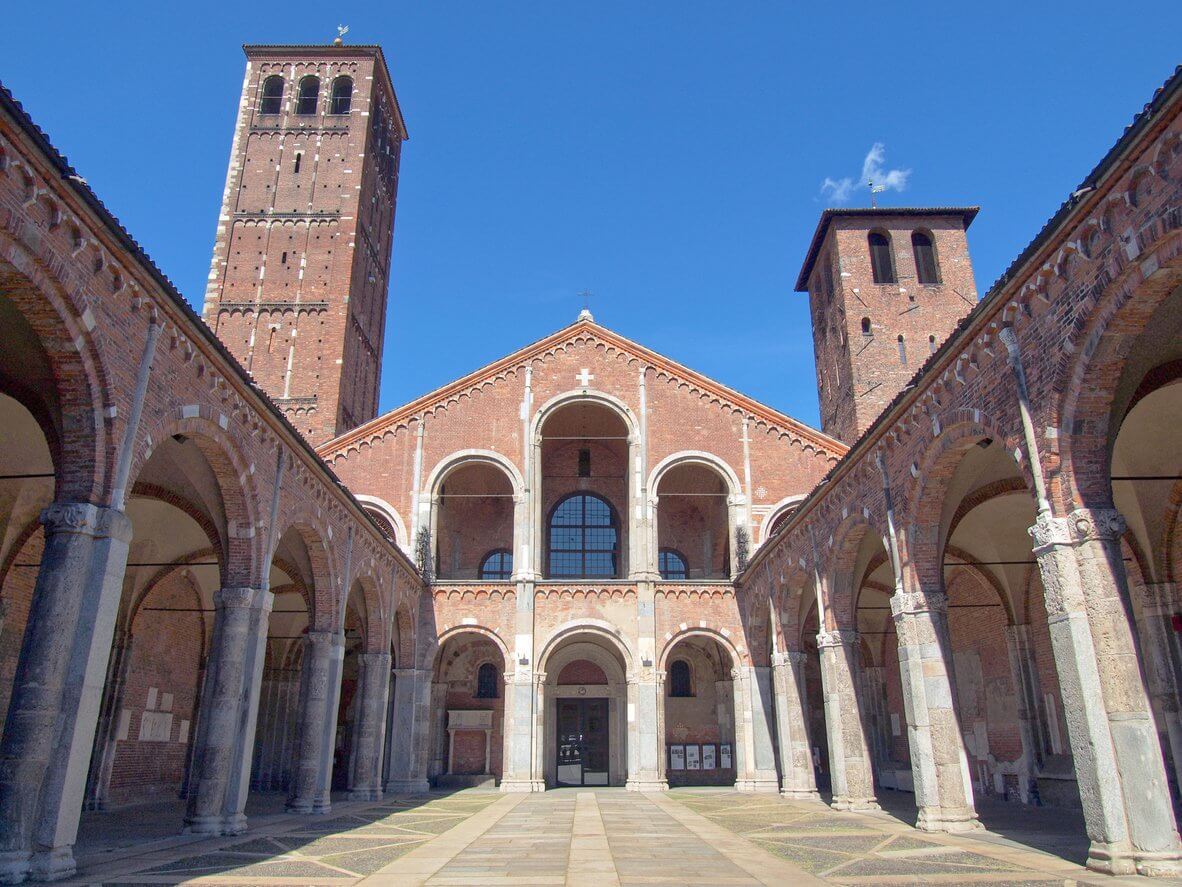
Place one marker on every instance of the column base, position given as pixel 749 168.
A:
pixel 523 785
pixel 855 805
pixel 14 866
pixel 52 865
pixel 1159 865
pixel 407 786
pixel 647 785
pixel 800 794
pixel 948 819
pixel 212 824
pixel 757 785
pixel 300 806
pixel 321 807
pixel 365 794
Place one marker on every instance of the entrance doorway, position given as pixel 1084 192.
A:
pixel 582 751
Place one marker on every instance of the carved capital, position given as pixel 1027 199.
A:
pixel 243 598
pixel 790 659
pixel 1048 532
pixel 910 603
pixel 1010 339
pixel 380 661
pixel 84 519
pixel 841 637
pixel 321 642
pixel 1097 524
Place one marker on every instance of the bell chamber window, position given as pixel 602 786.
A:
pixel 584 539
pixel 497 565
pixel 680 683
pixel 671 564
pixel 924 250
pixel 309 92
pixel 342 96
pixel 882 263
pixel 272 99
pixel 486 681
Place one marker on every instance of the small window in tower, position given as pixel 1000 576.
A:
pixel 924 250
pixel 299 157
pixel 283 258
pixel 932 344
pixel 342 95
pixel 309 93
pixel 272 95
pixel 584 463
pixel 866 326
pixel 882 263
pixel 902 350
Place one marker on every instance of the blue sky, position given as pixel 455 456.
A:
pixel 668 157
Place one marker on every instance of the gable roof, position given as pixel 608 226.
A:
pixel 580 327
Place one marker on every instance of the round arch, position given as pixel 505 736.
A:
pixel 723 641
pixel 455 631
pixel 321 584
pixel 695 457
pixel 584 395
pixel 461 458
pixel 389 513
pixel 599 628
pixel 788 503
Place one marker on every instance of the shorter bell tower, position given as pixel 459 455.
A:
pixel 886 287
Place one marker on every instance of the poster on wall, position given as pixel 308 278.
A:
pixel 677 757
pixel 709 756
pixel 693 758
pixel 725 756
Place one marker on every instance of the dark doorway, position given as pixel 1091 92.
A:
pixel 582 742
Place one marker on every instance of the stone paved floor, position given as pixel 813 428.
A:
pixel 586 837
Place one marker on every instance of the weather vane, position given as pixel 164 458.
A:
pixel 585 295
pixel 874 189
pixel 342 30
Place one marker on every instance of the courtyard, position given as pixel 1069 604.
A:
pixel 606 836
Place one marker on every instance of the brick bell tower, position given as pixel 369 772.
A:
pixel 886 287
pixel 301 263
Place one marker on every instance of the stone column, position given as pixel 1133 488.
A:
pixel 797 779
pixel 939 767
pixel 106 735
pixel 1118 760
pixel 369 733
pixel 754 710
pixel 229 709
pixel 53 710
pixel 315 694
pixel 646 738
pixel 1027 692
pixel 849 755
pixel 1162 646
pixel 523 771
pixel 407 771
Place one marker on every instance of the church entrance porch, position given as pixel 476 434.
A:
pixel 582 741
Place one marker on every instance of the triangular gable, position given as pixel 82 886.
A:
pixel 583 330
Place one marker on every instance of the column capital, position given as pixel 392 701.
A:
pixel 912 603
pixel 408 673
pixel 1080 526
pixel 374 660
pixel 325 639
pixel 791 658
pixel 839 637
pixel 84 519
pixel 243 598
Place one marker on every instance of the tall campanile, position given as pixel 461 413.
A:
pixel 297 287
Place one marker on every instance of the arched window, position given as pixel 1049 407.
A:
pixel 865 326
pixel 902 350
pixel 680 683
pixel 882 263
pixel 671 564
pixel 309 93
pixel 342 96
pixel 272 101
pixel 924 250
pixel 584 538
pixel 932 344
pixel 486 681
pixel 497 565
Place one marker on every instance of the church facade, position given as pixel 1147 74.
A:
pixel 223 574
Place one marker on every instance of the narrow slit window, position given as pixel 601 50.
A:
pixel 298 158
pixel 902 350
pixel 584 463
pixel 932 344
pixel 865 326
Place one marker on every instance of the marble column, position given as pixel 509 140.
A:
pixel 369 731
pixel 106 735
pixel 315 697
pixel 57 688
pixel 849 754
pixel 646 737
pixel 224 742
pixel 523 712
pixel 754 711
pixel 409 726
pixel 939 767
pixel 797 778
pixel 1118 760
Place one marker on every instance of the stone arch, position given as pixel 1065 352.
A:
pixel 404 623
pixel 320 581
pixel 695 457
pixel 721 637
pixel 840 592
pixel 447 634
pixel 781 508
pixel 483 517
pixel 597 627
pixel 460 458
pixel 584 395
pixel 389 513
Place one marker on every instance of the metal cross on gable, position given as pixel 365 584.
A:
pixel 585 377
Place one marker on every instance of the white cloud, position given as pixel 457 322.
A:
pixel 841 190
